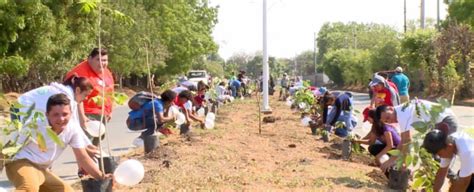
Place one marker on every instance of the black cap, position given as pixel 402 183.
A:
pixel 434 141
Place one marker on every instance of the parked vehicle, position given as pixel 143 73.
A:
pixel 199 75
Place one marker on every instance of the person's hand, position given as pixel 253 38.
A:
pixel 328 127
pixel 108 176
pixel 92 150
pixel 388 164
pixel 83 122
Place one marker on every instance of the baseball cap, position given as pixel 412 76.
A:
pixel 368 112
pixel 376 80
pixel 399 69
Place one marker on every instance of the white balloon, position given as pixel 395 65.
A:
pixel 129 172
pixel 231 98
pixel 201 112
pixel 95 128
pixel 289 102
pixel 180 118
pixel 305 121
pixel 211 116
pixel 209 124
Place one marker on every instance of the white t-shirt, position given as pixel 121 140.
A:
pixel 407 116
pixel 40 96
pixel 465 150
pixel 188 105
pixel 220 90
pixel 71 136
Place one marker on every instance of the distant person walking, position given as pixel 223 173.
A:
pixel 403 84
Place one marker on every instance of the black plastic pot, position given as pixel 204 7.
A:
pixel 92 185
pixel 183 129
pixel 214 108
pixel 314 127
pixel 110 163
pixel 346 149
pixel 398 179
pixel 326 138
pixel 151 142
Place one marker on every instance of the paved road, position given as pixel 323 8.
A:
pixel 121 139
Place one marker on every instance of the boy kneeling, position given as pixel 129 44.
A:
pixel 29 170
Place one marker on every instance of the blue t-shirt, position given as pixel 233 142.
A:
pixel 402 82
pixel 147 109
pixel 235 83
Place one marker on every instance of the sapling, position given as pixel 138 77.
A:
pixel 424 174
pixel 27 126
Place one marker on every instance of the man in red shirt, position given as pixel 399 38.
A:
pixel 95 69
pixel 384 94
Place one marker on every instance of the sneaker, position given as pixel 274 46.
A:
pixel 138 142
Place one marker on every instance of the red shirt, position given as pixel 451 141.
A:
pixel 199 100
pixel 391 84
pixel 83 69
pixel 383 97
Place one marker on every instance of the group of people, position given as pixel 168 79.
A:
pixel 150 113
pixel 392 115
pixel 67 106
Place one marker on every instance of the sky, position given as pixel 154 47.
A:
pixel 291 24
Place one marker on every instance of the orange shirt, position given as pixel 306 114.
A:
pixel 90 107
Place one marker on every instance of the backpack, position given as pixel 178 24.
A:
pixel 142 97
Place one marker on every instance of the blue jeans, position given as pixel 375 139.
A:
pixel 234 91
pixel 348 119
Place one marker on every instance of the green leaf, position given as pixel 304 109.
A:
pixel 120 98
pixel 408 160
pixel 17 105
pixel 420 126
pixel 444 102
pixel 394 152
pixel 54 137
pixel 41 142
pixel 29 112
pixel 11 150
pixel 418 182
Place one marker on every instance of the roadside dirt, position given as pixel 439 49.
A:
pixel 235 157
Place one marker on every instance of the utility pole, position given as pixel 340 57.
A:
pixel 354 35
pixel 438 25
pixel 296 65
pixel 422 14
pixel 265 104
pixel 404 16
pixel 314 53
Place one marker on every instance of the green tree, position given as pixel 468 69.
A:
pixel 418 52
pixel 461 11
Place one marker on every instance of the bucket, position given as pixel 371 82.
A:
pixel 346 149
pixel 398 179
pixel 92 185
pixel 151 142
pixel 110 163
